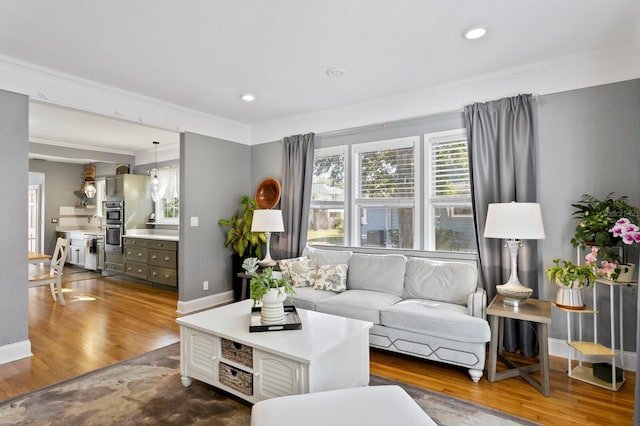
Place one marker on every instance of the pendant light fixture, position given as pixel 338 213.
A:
pixel 90 181
pixel 155 182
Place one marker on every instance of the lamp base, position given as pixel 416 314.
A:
pixel 514 294
pixel 267 263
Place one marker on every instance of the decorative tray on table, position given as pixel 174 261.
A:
pixel 291 320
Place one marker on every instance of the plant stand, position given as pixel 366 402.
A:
pixel 612 353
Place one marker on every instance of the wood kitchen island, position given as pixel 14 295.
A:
pixel 151 257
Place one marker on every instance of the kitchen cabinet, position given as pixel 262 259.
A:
pixel 114 186
pixel 151 260
pixel 114 262
pixel 75 256
pixel 135 258
pixel 83 252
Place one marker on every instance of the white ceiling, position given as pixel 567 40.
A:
pixel 203 54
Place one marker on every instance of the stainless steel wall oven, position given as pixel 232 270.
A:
pixel 114 228
pixel 114 212
pixel 113 238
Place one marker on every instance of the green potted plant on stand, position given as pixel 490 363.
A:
pixel 596 218
pixel 241 239
pixel 570 280
pixel 601 223
pixel 271 292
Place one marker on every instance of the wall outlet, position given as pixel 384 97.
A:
pixel 54 220
pixel 205 285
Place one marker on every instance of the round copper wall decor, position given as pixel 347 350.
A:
pixel 268 193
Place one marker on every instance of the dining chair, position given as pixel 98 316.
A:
pixel 40 274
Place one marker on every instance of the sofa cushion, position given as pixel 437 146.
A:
pixel 307 297
pixel 301 271
pixel 358 304
pixel 445 320
pixel 378 272
pixel 327 257
pixel 450 282
pixel 331 277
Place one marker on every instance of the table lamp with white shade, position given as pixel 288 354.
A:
pixel 267 221
pixel 514 222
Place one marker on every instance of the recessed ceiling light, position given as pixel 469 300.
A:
pixel 248 97
pixel 336 72
pixel 474 33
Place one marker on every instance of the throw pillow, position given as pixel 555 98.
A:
pixel 301 271
pixel 332 278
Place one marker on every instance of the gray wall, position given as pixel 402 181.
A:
pixel 14 134
pixel 266 161
pixel 589 142
pixel 60 182
pixel 214 174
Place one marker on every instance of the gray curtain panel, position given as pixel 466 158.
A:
pixel 297 175
pixel 503 169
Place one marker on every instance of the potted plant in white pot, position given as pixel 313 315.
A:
pixel 271 292
pixel 570 280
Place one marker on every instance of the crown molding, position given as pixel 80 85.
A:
pixel 66 90
pixel 64 144
pixel 579 71
pixel 569 73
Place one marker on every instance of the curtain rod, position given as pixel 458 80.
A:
pixel 383 124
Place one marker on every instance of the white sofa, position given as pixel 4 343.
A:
pixel 420 307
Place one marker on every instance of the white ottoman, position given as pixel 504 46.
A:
pixel 369 405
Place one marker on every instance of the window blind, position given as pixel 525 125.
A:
pixel 449 169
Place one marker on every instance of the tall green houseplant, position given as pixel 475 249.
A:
pixel 596 217
pixel 239 235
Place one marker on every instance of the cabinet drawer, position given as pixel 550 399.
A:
pixel 236 379
pixel 136 242
pixel 113 267
pixel 164 258
pixel 135 253
pixel 135 269
pixel 162 244
pixel 237 352
pixel 166 276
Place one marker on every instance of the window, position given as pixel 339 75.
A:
pixel 326 216
pixel 167 208
pixel 382 194
pixel 449 216
pixel 385 193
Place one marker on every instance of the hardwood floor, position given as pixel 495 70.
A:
pixel 105 320
pixel 109 319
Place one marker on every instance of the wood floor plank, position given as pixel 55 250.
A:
pixel 109 319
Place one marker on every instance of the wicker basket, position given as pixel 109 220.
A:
pixel 236 352
pixel 235 378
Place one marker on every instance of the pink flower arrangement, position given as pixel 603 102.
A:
pixel 627 231
pixel 606 269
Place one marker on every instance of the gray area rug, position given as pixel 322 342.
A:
pixel 146 390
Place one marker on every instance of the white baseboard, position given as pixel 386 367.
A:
pixel 185 308
pixel 559 348
pixel 15 351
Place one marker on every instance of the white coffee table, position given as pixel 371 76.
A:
pixel 329 352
